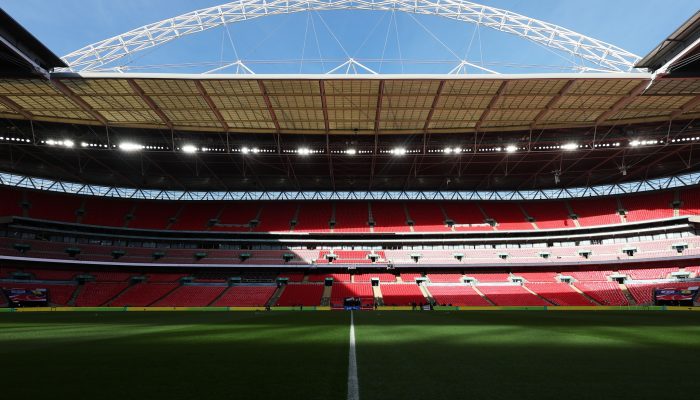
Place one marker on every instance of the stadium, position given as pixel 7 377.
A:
pixel 346 226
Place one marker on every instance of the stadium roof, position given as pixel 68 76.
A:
pixel 350 104
pixel 21 54
pixel 677 51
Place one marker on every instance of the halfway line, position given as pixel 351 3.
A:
pixel 353 385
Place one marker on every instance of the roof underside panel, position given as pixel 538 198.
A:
pixel 343 105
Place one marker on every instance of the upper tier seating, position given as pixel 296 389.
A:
pixel 314 217
pixel 351 217
pixel 143 294
pixel 276 217
pixel 11 204
pixel 196 216
pixel 402 294
pixel 301 294
pixel 605 293
pixel 690 200
pixel 154 214
pixel 53 206
pixel 560 294
pixel 549 214
pixel 389 217
pixel 191 296
pixel 511 296
pixel 648 206
pixel 427 217
pixel 466 216
pixel 594 212
pixel 107 212
pixel 508 216
pixel 460 295
pixel 245 296
pixel 236 217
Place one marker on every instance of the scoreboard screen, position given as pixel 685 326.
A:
pixel 676 296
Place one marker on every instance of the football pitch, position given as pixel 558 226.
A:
pixel 305 355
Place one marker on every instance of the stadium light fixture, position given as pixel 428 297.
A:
pixel 303 151
pixel 398 151
pixel 351 152
pixel 189 149
pixel 511 148
pixel 635 143
pixel 569 146
pixel 63 143
pixel 130 147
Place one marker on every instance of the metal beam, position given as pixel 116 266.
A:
pixel 432 107
pixel 61 87
pixel 203 92
pixel 152 104
pixel 377 118
pixel 107 52
pixel 268 103
pixel 686 107
pixel 623 102
pixel 324 105
pixel 492 103
pixel 15 107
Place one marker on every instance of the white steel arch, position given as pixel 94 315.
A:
pixel 605 55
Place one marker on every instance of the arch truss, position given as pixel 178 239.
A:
pixel 605 56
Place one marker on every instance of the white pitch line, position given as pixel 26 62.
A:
pixel 353 384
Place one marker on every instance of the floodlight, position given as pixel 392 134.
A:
pixel 189 149
pixel 129 146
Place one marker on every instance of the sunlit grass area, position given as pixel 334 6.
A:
pixel 300 355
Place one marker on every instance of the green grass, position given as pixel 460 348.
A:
pixel 401 355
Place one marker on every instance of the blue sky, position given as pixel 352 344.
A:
pixel 635 25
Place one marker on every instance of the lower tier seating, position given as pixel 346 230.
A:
pixel 605 293
pixel 143 294
pixel 95 294
pixel 301 295
pixel 245 296
pixel 511 296
pixel 560 294
pixel 191 296
pixel 461 295
pixel 402 294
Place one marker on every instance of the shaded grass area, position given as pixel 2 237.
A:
pixel 174 355
pixel 401 355
pixel 527 355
